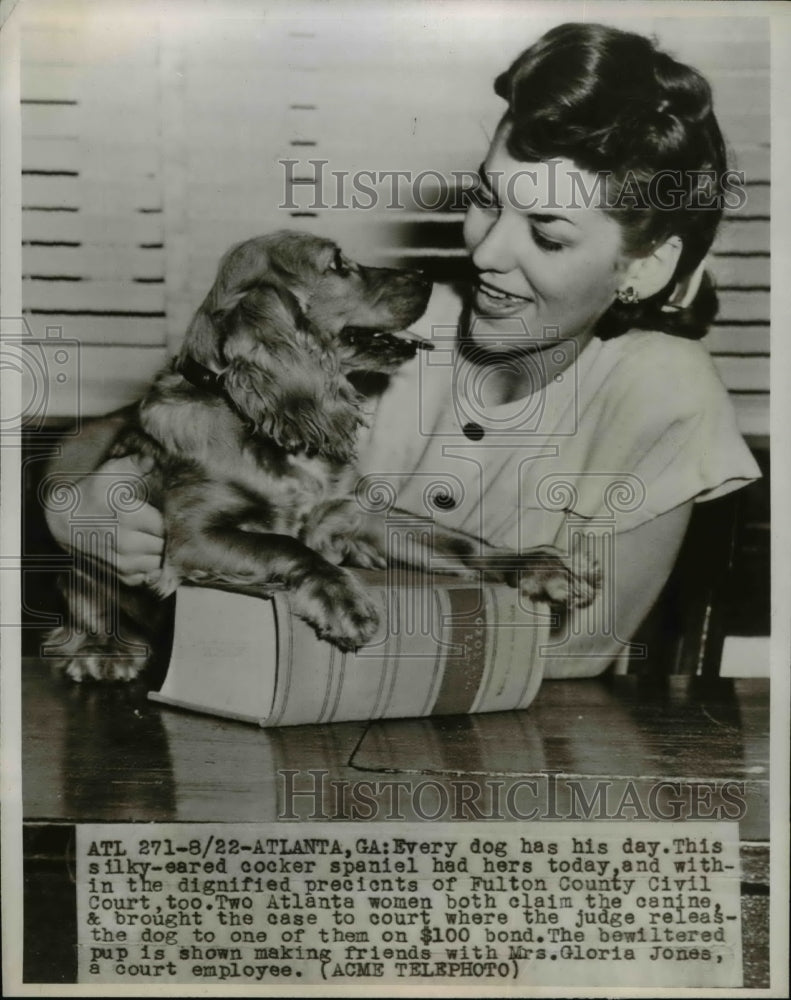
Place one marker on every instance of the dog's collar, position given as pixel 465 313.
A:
pixel 200 376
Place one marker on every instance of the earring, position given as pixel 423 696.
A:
pixel 627 295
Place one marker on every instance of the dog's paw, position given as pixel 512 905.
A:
pixel 166 581
pixel 339 610
pixel 364 554
pixel 100 667
pixel 84 659
pixel 330 530
pixel 548 575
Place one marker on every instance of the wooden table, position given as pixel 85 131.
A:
pixel 98 753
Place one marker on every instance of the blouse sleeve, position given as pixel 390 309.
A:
pixel 667 425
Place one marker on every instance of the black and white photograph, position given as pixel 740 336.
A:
pixel 394 532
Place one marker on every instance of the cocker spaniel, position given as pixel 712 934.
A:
pixel 249 436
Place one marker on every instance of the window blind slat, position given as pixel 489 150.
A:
pixel 114 229
pixel 743 305
pixel 119 194
pixel 752 413
pixel 741 271
pixel 744 373
pixel 756 202
pixel 738 340
pixel 101 262
pixel 737 235
pixel 50 154
pixel 90 295
pixel 106 331
pixel 50 121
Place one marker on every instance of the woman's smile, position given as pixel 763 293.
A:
pixel 493 300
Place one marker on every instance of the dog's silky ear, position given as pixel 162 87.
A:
pixel 284 379
pixel 202 339
pixel 240 268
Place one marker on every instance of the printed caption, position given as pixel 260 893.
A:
pixel 536 904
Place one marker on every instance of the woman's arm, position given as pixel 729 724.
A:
pixel 644 558
pixel 81 453
pixel 139 538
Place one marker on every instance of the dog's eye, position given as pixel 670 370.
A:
pixel 339 264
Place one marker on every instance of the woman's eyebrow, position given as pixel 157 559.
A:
pixel 549 217
pixel 546 218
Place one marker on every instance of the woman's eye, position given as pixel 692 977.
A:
pixel 551 246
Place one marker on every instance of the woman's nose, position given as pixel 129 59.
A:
pixel 495 249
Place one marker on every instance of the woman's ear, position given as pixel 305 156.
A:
pixel 646 276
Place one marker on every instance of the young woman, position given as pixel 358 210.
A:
pixel 567 392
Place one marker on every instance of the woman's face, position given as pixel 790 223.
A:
pixel 547 265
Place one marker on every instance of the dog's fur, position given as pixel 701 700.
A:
pixel 251 462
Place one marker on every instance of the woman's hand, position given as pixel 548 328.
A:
pixel 139 536
pixel 643 560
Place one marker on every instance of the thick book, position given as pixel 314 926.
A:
pixel 441 649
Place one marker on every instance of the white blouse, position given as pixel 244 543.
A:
pixel 633 428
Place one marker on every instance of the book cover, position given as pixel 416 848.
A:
pixel 441 649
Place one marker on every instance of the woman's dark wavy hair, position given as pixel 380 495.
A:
pixel 612 102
